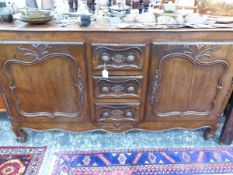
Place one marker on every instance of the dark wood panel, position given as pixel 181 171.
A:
pixel 187 81
pixel 45 81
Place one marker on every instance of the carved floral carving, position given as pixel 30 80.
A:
pixel 197 54
pixel 39 53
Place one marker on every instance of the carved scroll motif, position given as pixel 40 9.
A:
pixel 117 127
pixel 155 87
pixel 39 53
pixel 197 54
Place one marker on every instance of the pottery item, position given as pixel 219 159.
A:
pixel 31 3
pixel 47 4
pixel 36 21
pixel 35 13
pixel 35 16
pixel 119 11
pixel 6 14
pixel 195 19
pixel 169 7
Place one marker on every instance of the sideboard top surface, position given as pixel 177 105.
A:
pixel 104 27
pixel 97 32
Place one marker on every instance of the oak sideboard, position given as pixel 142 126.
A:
pixel 52 78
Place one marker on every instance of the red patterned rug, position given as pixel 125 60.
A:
pixel 146 162
pixel 21 160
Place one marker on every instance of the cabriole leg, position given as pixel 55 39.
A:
pixel 210 132
pixel 20 134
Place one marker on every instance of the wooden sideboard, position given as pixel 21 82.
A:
pixel 51 78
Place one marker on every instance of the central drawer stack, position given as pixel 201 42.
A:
pixel 119 99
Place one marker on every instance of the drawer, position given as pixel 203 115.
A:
pixel 117 117
pixel 118 56
pixel 118 86
pixel 117 112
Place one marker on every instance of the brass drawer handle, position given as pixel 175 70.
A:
pixel 105 89
pixel 129 114
pixel 106 114
pixel 131 89
pixel 105 58
pixel 131 58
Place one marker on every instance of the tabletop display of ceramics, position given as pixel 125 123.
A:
pixel 35 16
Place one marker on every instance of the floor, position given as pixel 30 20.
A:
pixel 68 141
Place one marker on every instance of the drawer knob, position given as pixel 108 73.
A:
pixel 105 89
pixel 131 89
pixel 131 58
pixel 105 58
pixel 129 114
pixel 106 114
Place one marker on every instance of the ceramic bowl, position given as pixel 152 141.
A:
pixel 35 13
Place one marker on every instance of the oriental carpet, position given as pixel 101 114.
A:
pixel 146 162
pixel 21 160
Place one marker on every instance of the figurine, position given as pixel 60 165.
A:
pixel 73 5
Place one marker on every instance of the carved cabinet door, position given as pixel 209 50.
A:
pixel 44 81
pixel 189 81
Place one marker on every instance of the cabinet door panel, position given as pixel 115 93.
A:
pixel 188 80
pixel 45 80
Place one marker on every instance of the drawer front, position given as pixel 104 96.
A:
pixel 118 116
pixel 118 87
pixel 118 56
